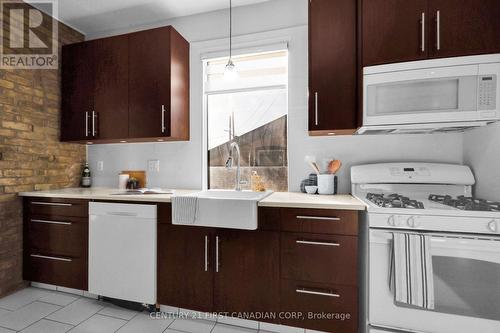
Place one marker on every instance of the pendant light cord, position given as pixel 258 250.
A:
pixel 230 29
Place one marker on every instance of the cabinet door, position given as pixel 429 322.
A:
pixel 464 27
pixel 110 120
pixel 247 271
pixel 149 104
pixel 393 31
pixel 185 272
pixel 332 65
pixel 77 91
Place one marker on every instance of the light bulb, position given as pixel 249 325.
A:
pixel 230 72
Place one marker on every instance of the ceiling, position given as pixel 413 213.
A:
pixel 92 16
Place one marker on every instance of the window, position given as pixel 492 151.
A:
pixel 256 100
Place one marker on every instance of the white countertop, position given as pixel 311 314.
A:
pixel 303 200
pixel 277 199
pixel 101 193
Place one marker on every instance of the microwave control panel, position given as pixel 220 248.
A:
pixel 487 92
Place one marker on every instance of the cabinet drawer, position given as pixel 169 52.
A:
pixel 320 258
pixel 70 272
pixel 57 207
pixel 321 221
pixel 338 306
pixel 66 236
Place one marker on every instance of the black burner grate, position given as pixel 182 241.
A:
pixel 466 203
pixel 394 201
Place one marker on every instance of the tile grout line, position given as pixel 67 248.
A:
pixel 62 306
pixel 125 323
pixel 115 317
pixel 37 300
pixel 59 322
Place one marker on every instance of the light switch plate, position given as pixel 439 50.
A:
pixel 100 165
pixel 154 165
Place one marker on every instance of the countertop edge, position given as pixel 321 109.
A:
pixel 312 206
pixel 95 197
pixel 166 198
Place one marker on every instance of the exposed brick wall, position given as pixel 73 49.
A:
pixel 31 156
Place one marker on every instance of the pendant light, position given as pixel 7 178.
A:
pixel 230 72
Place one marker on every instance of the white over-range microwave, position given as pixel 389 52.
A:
pixel 431 95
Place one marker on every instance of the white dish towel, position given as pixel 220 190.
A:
pixel 411 275
pixel 184 209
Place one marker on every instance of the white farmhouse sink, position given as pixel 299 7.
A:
pixel 228 209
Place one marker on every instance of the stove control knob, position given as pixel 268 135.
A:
pixel 391 221
pixel 493 226
pixel 412 222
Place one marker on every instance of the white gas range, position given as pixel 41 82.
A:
pixel 432 204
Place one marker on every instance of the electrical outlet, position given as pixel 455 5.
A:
pixel 100 165
pixel 154 166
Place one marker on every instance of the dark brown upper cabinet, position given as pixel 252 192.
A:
pixel 407 30
pixel 159 90
pixel 132 87
pixel 332 67
pixel 465 27
pixel 393 31
pixel 110 112
pixel 77 91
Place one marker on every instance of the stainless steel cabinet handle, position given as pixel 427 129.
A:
pixel 316 108
pixel 438 30
pixel 86 123
pixel 325 218
pixel 51 222
pixel 206 253
pixel 422 23
pixel 217 254
pixel 93 123
pixel 317 243
pixel 51 258
pixel 163 128
pixel 312 292
pixel 41 203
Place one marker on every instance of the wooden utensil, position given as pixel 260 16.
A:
pixel 334 166
pixel 315 167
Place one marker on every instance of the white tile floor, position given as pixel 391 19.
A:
pixel 35 310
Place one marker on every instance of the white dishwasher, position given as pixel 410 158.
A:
pixel 122 251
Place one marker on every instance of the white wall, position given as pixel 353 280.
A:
pixel 182 162
pixel 270 15
pixel 482 153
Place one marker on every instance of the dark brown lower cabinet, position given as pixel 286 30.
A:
pixel 319 269
pixel 56 242
pixel 70 272
pixel 223 270
pixel 300 268
pixel 185 267
pixel 320 258
pixel 247 277
pixel 320 306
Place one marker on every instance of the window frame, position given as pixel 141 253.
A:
pixel 242 51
